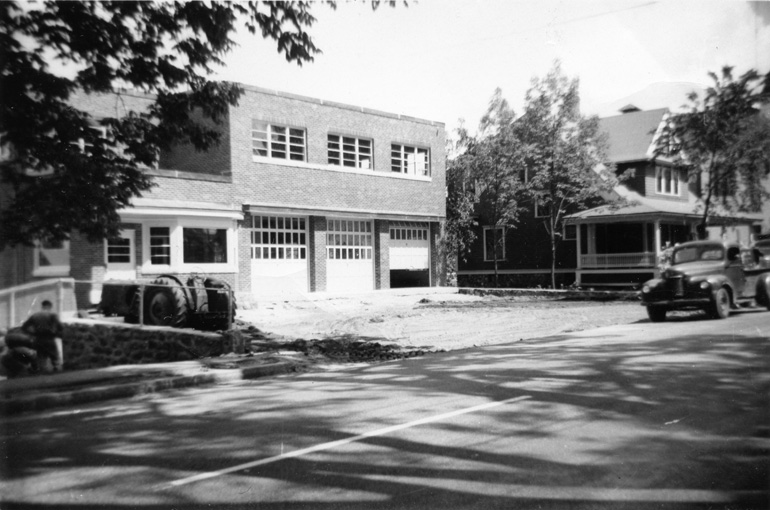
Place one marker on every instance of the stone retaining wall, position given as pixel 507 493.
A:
pixel 572 295
pixel 89 344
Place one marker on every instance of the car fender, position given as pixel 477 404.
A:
pixel 762 290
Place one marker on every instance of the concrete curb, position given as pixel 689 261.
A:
pixel 572 295
pixel 46 398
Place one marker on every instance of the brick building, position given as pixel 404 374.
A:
pixel 302 195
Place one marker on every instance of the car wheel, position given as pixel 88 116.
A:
pixel 720 304
pixel 656 313
pixel 165 304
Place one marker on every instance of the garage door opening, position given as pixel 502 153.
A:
pixel 409 255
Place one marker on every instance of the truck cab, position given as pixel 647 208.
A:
pixel 709 275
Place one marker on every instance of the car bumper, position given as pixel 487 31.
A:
pixel 698 302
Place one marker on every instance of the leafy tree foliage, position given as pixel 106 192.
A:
pixel 723 142
pixel 565 155
pixel 51 51
pixel 488 168
pixel 458 230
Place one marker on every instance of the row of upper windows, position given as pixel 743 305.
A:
pixel 283 142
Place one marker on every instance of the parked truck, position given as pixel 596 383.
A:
pixel 709 275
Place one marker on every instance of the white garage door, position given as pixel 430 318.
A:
pixel 349 257
pixel 409 246
pixel 279 255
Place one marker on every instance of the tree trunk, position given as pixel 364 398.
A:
pixel 553 261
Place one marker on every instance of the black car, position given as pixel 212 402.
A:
pixel 711 276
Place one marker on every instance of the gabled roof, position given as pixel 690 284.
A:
pixel 631 134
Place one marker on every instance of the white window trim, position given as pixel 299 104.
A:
pixel 484 240
pixel 176 227
pixel 536 210
pixel 403 161
pixel 566 229
pixel 288 143
pixel 674 180
pixel 63 270
pixel 341 169
pixel 132 254
pixel 357 153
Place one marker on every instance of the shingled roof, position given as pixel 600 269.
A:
pixel 631 134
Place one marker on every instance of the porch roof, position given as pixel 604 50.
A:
pixel 642 208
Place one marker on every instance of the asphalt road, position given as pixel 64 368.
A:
pixel 641 416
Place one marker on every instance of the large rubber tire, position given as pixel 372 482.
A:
pixel 165 303
pixel 656 313
pixel 720 304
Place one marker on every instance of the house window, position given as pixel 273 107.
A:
pixel 160 246
pixel 349 151
pixel 84 146
pixel 280 142
pixel 570 232
pixel 494 243
pixel 541 210
pixel 666 181
pixel 52 258
pixel 349 239
pixel 119 251
pixel 278 237
pixel 410 160
pixel 204 245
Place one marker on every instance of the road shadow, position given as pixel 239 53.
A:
pixel 607 423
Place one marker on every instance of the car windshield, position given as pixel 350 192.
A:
pixel 695 253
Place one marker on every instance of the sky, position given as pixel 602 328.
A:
pixel 442 60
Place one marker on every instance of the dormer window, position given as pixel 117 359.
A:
pixel 667 181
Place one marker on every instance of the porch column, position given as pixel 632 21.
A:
pixel 579 246
pixel 658 242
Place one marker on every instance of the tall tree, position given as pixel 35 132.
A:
pixel 458 231
pixel 493 161
pixel 723 142
pixel 167 49
pixel 566 155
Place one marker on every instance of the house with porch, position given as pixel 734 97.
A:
pixel 609 245
pixel 302 195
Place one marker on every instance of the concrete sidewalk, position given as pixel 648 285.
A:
pixel 43 392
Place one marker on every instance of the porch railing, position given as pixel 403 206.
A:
pixel 618 260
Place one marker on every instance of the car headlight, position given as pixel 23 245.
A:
pixel 646 289
pixel 704 285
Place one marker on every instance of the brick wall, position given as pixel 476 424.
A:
pixel 317 253
pixel 381 254
pixel 302 185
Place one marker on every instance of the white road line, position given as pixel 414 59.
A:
pixel 340 442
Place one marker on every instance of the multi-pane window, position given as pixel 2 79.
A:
pixel 541 210
pixel 408 234
pixel 280 142
pixel 666 180
pixel 204 245
pixel 278 237
pixel 119 251
pixel 160 246
pixel 349 239
pixel 494 243
pixel 410 160
pixel 349 151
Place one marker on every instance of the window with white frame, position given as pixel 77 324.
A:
pixel 349 151
pixel 278 238
pixel 666 181
pixel 275 141
pixel 205 245
pixel 408 234
pixel 52 258
pixel 570 232
pixel 83 145
pixel 160 246
pixel 494 243
pixel 541 210
pixel 410 160
pixel 119 250
pixel 349 239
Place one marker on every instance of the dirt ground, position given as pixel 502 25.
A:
pixel 435 319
